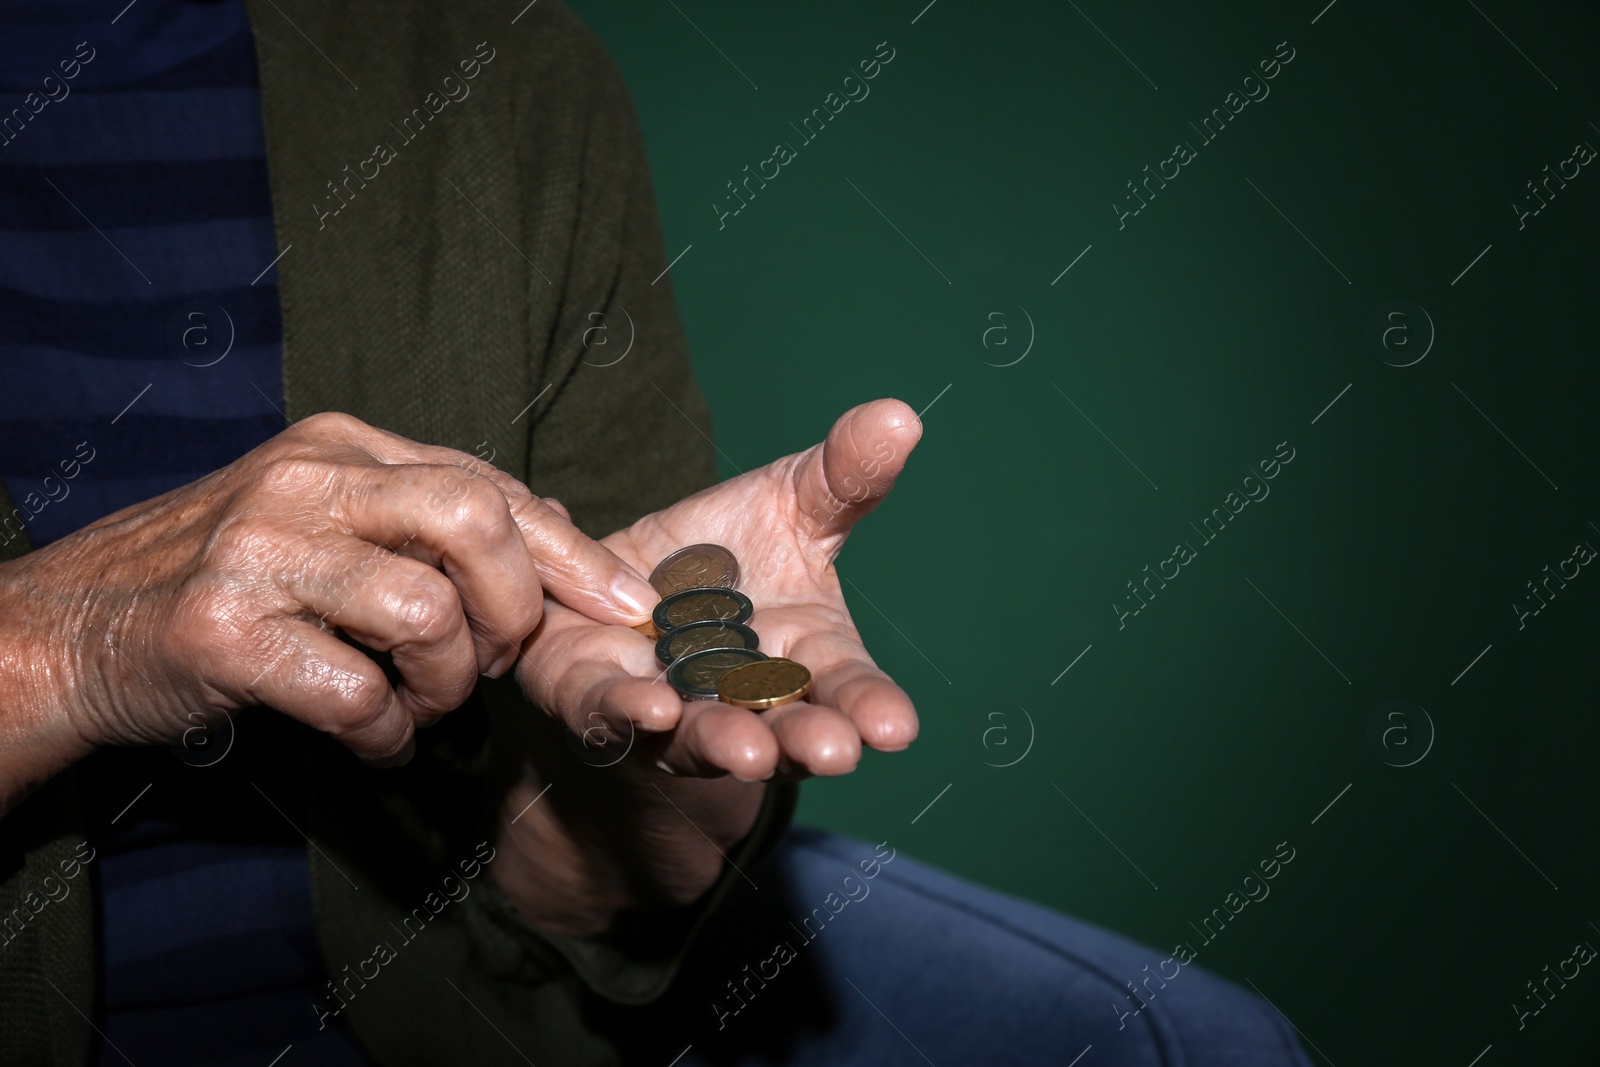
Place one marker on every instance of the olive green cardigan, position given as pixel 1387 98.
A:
pixel 448 299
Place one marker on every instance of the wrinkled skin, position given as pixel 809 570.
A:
pixel 652 828
pixel 224 594
pixel 231 592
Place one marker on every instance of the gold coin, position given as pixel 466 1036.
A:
pixel 696 567
pixel 648 628
pixel 767 683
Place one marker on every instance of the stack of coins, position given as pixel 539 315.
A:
pixel 702 640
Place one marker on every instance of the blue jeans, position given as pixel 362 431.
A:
pixel 880 963
pixel 917 967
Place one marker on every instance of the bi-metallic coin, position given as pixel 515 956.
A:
pixel 700 636
pixel 695 676
pixel 702 605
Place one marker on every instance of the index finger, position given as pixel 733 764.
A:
pixel 573 567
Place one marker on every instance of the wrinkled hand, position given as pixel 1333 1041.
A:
pixel 652 828
pixel 232 592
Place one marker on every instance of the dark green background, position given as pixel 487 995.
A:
pixel 1197 338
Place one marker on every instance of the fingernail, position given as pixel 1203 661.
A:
pixel 633 593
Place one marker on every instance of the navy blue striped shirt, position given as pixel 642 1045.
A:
pixel 134 217
pixel 140 348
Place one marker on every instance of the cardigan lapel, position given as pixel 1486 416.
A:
pixel 404 293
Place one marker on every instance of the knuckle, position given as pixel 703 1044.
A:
pixel 359 702
pixel 474 508
pixel 427 608
pixel 332 424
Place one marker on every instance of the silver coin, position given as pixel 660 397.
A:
pixel 696 675
pixel 696 567
pixel 700 636
pixel 702 605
